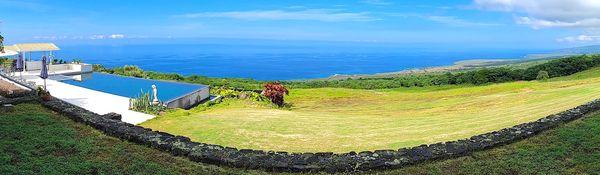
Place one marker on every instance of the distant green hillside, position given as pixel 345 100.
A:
pixel 593 49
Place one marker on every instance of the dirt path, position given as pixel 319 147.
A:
pixel 9 88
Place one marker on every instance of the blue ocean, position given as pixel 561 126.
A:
pixel 276 61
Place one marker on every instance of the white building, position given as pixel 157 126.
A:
pixel 33 65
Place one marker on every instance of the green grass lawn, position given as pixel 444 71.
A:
pixel 570 149
pixel 34 140
pixel 341 120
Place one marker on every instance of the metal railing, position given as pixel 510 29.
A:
pixel 12 75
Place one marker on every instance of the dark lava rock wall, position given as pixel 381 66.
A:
pixel 312 162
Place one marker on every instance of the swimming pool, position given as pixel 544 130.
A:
pixel 132 87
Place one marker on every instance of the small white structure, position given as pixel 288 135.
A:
pixel 27 48
pixel 34 67
pixel 60 69
pixel 154 92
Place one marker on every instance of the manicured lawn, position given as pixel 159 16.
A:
pixel 34 140
pixel 341 120
pixel 570 149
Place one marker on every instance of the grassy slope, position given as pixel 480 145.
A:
pixel 33 140
pixel 571 149
pixel 36 141
pixel 340 120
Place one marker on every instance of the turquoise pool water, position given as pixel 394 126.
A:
pixel 132 87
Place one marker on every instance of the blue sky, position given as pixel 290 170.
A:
pixel 481 23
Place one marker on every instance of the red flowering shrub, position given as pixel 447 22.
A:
pixel 275 92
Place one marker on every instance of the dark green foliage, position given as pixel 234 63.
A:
pixel 555 68
pixel 563 66
pixel 101 68
pixel 58 61
pixel 164 76
pixel 132 71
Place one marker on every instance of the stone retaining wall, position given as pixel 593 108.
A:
pixel 312 162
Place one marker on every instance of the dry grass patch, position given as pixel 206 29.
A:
pixel 341 120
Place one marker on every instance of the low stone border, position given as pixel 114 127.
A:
pixel 312 162
pixel 21 98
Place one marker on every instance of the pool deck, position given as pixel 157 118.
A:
pixel 95 101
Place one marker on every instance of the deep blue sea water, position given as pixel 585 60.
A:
pixel 274 61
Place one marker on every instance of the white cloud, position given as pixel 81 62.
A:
pixel 580 38
pixel 111 36
pixel 446 20
pixel 542 23
pixel 549 13
pixel 94 37
pixel 327 15
pixel 377 2
pixel 453 21
pixel 116 36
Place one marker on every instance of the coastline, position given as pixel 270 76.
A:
pixel 462 65
pixel 457 66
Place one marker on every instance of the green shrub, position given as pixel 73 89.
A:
pixel 58 61
pixel 227 92
pixel 143 103
pixel 542 75
pixel 101 68
pixel 77 61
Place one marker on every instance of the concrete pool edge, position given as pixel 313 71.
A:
pixel 93 100
pixel 198 93
pixel 190 99
pixel 321 161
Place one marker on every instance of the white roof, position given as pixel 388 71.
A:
pixel 33 47
pixel 7 53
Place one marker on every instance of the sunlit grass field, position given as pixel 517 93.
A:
pixel 341 120
pixel 36 140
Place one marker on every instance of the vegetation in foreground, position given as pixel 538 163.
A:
pixel 34 140
pixel 143 103
pixel 570 149
pixel 341 120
